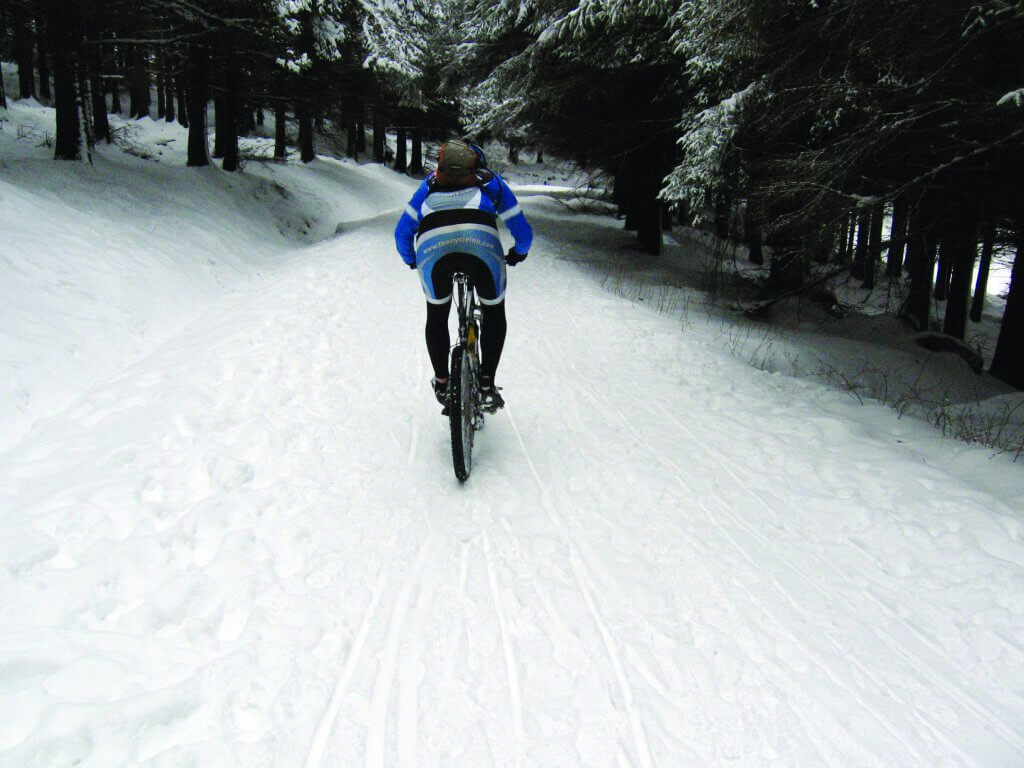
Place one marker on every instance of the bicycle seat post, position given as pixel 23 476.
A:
pixel 464 303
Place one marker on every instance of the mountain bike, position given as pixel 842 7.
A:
pixel 465 408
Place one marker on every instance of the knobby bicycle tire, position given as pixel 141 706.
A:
pixel 460 411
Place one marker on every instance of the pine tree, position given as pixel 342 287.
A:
pixel 407 47
pixel 21 31
pixel 64 22
pixel 530 70
pixel 315 35
pixel 1008 360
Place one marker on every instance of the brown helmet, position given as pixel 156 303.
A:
pixel 457 164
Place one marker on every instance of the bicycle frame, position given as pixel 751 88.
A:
pixel 468 309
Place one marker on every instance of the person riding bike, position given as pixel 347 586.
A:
pixel 450 225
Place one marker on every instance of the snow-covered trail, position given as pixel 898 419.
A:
pixel 250 549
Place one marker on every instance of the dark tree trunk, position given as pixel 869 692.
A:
pixel 723 215
pixel 167 69
pixel 981 285
pixel 43 58
pixel 130 86
pixel 624 195
pixel 280 131
pixel 921 258
pixel 945 271
pixel 181 94
pixel 752 225
pixel 231 103
pixel 860 252
pixel 821 245
pixel 307 152
pixel 161 95
pixel 160 74
pixel 629 200
pixel 787 266
pixel 219 123
pixel 94 56
pixel 101 123
pixel 683 214
pixel 115 83
pixel 169 95
pixel 198 94
pixel 835 255
pixel 416 164
pixel 874 253
pixel 360 138
pixel 648 225
pixel 632 219
pixel 379 133
pixel 247 122
pixel 849 234
pixel 84 109
pixel 22 34
pixel 401 162
pixel 843 229
pixel 350 139
pixel 65 30
pixel 960 241
pixel 897 237
pixel 1008 360
pixel 648 208
pixel 259 119
pixel 540 155
pixel 138 83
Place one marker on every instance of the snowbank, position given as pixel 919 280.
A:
pixel 101 262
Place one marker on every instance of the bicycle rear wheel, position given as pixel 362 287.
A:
pixel 461 387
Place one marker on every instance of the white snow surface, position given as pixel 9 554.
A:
pixel 230 534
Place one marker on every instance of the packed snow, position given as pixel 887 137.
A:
pixel 231 534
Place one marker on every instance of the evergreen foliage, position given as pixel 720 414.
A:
pixel 775 122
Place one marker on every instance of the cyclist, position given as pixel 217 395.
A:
pixel 450 225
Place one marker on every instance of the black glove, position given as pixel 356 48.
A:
pixel 412 266
pixel 512 258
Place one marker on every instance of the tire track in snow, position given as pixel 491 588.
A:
pixel 580 572
pixel 925 669
pixel 411 671
pixel 640 742
pixel 622 760
pixel 677 474
pixel 414 436
pixel 377 727
pixel 510 660
pixel 326 725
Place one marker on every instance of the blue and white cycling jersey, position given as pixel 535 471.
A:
pixel 434 208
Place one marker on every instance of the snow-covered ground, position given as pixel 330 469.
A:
pixel 103 262
pixel 231 534
pixel 867 353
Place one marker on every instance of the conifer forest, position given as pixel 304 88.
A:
pixel 796 127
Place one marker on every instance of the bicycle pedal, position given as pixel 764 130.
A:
pixel 491 402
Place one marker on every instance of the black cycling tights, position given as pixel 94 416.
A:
pixel 492 337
